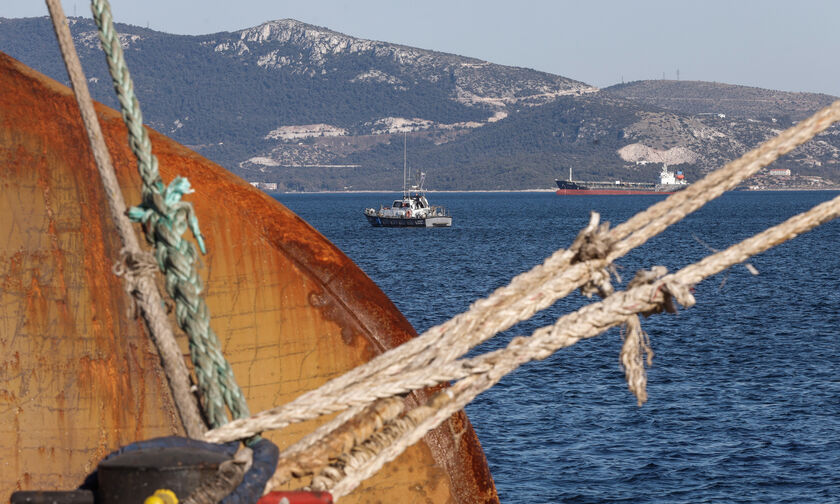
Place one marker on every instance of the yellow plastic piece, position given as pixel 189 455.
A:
pixel 162 496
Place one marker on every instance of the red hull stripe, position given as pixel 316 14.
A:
pixel 605 192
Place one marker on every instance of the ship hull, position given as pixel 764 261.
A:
pixel 377 221
pixel 79 377
pixel 607 192
pixel 569 188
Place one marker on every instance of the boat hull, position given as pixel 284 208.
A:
pixel 378 221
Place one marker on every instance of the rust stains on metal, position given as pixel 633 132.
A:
pixel 80 378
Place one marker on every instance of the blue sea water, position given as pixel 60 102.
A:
pixel 744 392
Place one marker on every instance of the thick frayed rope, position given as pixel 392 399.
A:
pixel 635 353
pixel 305 460
pixel 636 350
pixel 364 451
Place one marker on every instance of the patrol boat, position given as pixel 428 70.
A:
pixel 412 210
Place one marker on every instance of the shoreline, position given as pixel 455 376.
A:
pixel 399 191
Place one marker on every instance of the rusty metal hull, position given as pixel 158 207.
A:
pixel 79 378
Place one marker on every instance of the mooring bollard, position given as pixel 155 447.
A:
pixel 135 475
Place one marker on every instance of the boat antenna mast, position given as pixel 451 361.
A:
pixel 405 134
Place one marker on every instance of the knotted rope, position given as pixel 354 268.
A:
pixel 636 350
pixel 645 297
pixel 138 282
pixel 165 218
pixel 131 267
pixel 413 365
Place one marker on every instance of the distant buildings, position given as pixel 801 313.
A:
pixel 779 172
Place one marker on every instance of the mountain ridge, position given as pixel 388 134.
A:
pixel 702 97
pixel 309 108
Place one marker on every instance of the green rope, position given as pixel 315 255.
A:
pixel 165 218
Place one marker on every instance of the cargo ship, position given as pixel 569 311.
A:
pixel 669 182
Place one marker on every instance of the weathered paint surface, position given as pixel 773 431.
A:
pixel 78 378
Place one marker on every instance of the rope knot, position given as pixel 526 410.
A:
pixel 165 203
pixel 592 244
pixel 669 287
pixel 132 266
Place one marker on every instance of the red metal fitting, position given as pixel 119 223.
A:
pixel 296 497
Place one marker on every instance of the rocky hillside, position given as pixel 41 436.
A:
pixel 600 136
pixel 297 48
pixel 308 108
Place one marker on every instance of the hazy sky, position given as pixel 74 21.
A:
pixel 776 44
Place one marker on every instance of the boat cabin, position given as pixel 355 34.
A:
pixel 413 202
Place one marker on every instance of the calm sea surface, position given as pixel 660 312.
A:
pixel 744 392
